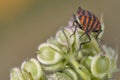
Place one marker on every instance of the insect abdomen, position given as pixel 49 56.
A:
pixel 88 21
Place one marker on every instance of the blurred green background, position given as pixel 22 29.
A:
pixel 24 24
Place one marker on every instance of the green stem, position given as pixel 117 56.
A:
pixel 80 69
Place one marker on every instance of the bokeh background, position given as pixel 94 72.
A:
pixel 24 24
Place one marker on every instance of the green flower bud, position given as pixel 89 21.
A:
pixel 54 42
pixel 60 36
pixel 86 61
pixel 15 74
pixel 100 66
pixel 61 76
pixel 71 73
pixel 113 57
pixel 32 70
pixel 55 67
pixel 48 54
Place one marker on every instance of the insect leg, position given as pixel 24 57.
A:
pixel 86 41
pixel 101 41
pixel 82 35
pixel 98 34
pixel 76 24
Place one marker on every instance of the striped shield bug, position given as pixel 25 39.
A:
pixel 88 22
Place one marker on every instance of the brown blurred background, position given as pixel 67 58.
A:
pixel 24 24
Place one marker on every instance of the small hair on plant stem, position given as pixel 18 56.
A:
pixel 68 43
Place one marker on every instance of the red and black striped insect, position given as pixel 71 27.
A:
pixel 88 22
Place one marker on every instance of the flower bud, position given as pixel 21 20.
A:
pixel 32 70
pixel 71 73
pixel 61 76
pixel 61 37
pixel 55 67
pixel 48 55
pixel 100 66
pixel 15 74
